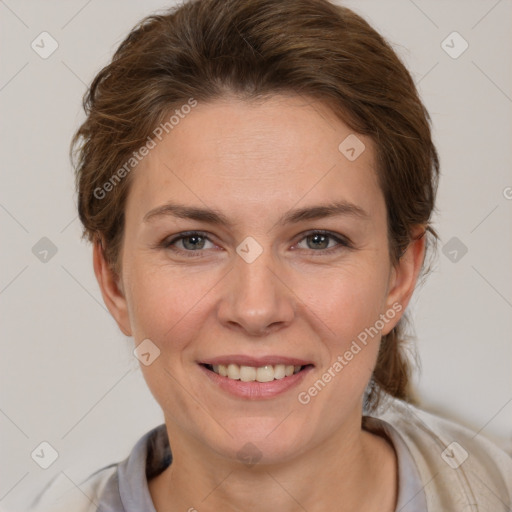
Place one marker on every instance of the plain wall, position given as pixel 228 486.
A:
pixel 67 373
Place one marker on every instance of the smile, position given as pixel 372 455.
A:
pixel 255 378
pixel 265 373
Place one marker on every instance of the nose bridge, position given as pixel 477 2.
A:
pixel 256 298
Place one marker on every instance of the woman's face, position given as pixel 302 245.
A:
pixel 253 285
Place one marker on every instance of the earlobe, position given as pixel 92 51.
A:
pixel 404 276
pixel 111 289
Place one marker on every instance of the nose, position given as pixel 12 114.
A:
pixel 256 299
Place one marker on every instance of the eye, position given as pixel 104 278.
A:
pixel 192 241
pixel 324 241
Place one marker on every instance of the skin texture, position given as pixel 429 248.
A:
pixel 253 162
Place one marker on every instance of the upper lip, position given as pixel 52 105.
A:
pixel 257 362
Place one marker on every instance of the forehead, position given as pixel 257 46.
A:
pixel 256 157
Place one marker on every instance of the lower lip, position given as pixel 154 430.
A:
pixel 256 390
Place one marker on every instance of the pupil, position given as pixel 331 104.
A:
pixel 193 245
pixel 319 236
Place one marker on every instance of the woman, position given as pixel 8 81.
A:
pixel 257 179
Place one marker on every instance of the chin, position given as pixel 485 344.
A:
pixel 268 441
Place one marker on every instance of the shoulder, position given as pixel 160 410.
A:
pixel 457 466
pixel 62 494
pixel 106 487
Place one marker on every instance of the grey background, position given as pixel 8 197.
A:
pixel 68 376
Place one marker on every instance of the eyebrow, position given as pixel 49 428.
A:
pixel 212 216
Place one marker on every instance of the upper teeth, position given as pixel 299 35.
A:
pixel 250 373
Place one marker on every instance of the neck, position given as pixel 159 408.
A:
pixel 335 475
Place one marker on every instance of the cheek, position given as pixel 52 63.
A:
pixel 351 307
pixel 353 312
pixel 352 301
pixel 166 304
pixel 155 302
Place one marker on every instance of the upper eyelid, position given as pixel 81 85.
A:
pixel 341 239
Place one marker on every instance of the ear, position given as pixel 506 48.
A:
pixel 404 276
pixel 111 290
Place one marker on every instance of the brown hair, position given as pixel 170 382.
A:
pixel 208 49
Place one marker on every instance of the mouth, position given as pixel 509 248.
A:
pixel 255 378
pixel 262 374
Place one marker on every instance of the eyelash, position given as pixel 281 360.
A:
pixel 343 243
